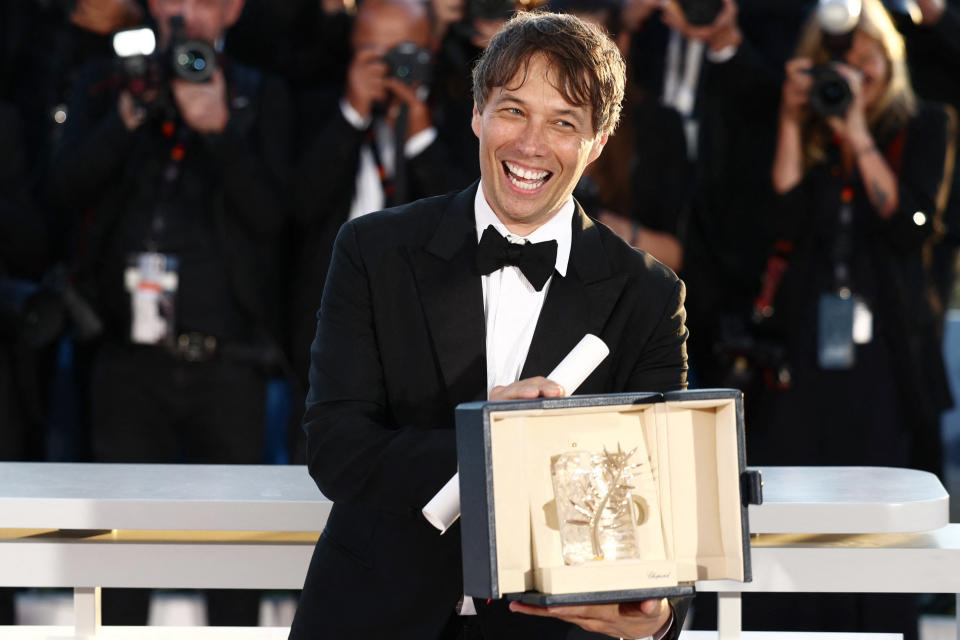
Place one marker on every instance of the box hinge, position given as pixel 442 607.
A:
pixel 751 487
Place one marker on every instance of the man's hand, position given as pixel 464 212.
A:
pixel 417 110
pixel 723 32
pixel 528 388
pixel 367 80
pixel 623 620
pixel 795 98
pixel 203 106
pixel 106 16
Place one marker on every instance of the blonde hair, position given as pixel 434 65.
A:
pixel 895 106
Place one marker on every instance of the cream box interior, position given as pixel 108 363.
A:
pixel 689 481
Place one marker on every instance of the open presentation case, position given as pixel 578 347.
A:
pixel 604 498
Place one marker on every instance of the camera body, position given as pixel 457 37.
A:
pixel 410 64
pixel 147 71
pixel 830 94
pixel 701 12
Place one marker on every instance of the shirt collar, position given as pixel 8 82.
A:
pixel 558 228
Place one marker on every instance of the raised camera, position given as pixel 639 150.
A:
pixel 409 63
pixel 830 94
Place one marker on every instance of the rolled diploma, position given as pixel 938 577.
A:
pixel 444 508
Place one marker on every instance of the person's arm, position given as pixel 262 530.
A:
pixel 96 140
pixel 929 155
pixel 788 157
pixel 23 245
pixel 878 178
pixel 356 452
pixel 253 161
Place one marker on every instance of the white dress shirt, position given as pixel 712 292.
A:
pixel 511 306
pixel 368 195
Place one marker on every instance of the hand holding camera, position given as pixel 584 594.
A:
pixel 850 124
pixel 391 78
pixel 795 98
pixel 832 91
pixel 711 21
pixel 366 80
pixel 202 105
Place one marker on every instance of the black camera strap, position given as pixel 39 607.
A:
pixel 400 162
pixel 174 141
pixel 841 251
pixel 386 181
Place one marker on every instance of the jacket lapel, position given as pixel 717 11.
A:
pixel 452 299
pixel 576 304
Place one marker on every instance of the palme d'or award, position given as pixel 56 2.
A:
pixel 607 506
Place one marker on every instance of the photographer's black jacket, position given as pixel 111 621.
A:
pixel 325 189
pixel 222 217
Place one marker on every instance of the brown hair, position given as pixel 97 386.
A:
pixel 589 68
pixel 895 106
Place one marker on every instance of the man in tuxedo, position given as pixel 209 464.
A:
pixel 464 297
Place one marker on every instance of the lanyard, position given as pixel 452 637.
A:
pixel 174 136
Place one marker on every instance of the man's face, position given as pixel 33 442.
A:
pixel 205 20
pixel 384 26
pixel 534 145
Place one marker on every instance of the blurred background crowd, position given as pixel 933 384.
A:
pixel 169 198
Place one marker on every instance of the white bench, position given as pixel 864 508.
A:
pixel 88 526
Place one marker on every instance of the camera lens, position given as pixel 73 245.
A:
pixel 830 94
pixel 193 61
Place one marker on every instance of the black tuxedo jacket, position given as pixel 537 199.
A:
pixel 400 342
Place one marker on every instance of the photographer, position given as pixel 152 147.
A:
pixel 862 184
pixel 22 251
pixel 180 180
pixel 378 146
pixel 861 175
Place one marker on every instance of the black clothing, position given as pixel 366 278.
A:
pixel 885 409
pixel 326 188
pixel 227 196
pixel 216 202
pixel 933 57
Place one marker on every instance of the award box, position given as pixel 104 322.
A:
pixel 525 467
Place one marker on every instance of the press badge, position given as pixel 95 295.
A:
pixel 835 345
pixel 151 279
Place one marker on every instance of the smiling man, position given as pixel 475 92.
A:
pixel 470 296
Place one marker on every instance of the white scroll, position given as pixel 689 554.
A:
pixel 444 508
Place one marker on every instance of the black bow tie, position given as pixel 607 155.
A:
pixel 536 260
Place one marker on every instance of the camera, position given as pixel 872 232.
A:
pixel 701 12
pixel 830 94
pixel 147 71
pixel 409 63
pixel 34 314
pixel 191 60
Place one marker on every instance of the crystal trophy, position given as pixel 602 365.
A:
pixel 595 507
